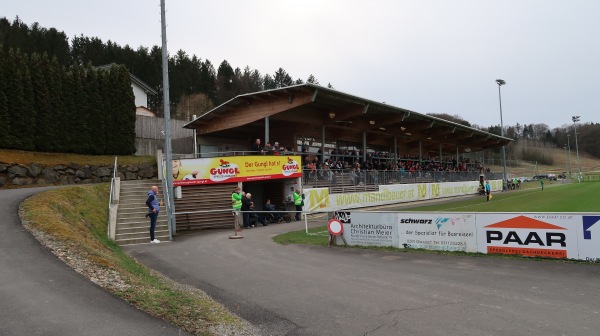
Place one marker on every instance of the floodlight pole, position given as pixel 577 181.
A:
pixel 569 148
pixel 167 115
pixel 501 82
pixel 575 120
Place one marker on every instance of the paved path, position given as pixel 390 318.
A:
pixel 40 295
pixel 308 290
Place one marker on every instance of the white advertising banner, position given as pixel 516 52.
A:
pixel 546 235
pixel 371 229
pixel 319 199
pixel 588 236
pixel 451 232
pixel 446 232
pixel 536 235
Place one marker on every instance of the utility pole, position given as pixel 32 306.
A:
pixel 167 110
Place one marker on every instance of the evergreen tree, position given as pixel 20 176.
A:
pixel 126 112
pixel 95 110
pixel 4 117
pixel 44 130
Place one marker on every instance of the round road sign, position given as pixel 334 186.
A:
pixel 335 227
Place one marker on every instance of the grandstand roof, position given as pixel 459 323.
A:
pixel 308 110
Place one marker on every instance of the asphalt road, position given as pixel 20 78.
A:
pixel 40 295
pixel 308 290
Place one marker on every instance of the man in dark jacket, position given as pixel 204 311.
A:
pixel 246 202
pixel 153 209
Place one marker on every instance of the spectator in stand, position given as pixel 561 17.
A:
pixel 277 149
pixel 256 147
pixel 268 149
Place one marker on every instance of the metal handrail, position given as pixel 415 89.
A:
pixel 347 178
pixel 111 196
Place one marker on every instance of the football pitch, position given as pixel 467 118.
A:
pixel 574 197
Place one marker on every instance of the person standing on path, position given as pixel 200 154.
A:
pixel 153 209
pixel 236 204
pixel 298 202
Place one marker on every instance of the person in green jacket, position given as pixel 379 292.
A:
pixel 298 202
pixel 542 183
pixel 236 203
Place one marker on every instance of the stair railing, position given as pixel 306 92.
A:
pixel 113 203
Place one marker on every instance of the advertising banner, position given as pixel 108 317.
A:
pixel 451 232
pixel 371 229
pixel 535 235
pixel 446 232
pixel 546 235
pixel 320 199
pixel 228 169
pixel 588 236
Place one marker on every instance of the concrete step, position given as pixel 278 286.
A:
pixel 137 235
pixel 138 229
pixel 138 215
pixel 140 241
pixel 140 222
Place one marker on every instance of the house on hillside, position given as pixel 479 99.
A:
pixel 141 91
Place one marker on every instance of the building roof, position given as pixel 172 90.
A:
pixel 134 80
pixel 309 110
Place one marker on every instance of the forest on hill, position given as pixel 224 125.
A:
pixel 196 86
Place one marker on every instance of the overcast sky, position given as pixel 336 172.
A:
pixel 437 56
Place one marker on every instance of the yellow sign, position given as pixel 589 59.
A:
pixel 228 169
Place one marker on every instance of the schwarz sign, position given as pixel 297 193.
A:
pixel 227 169
pixel 549 235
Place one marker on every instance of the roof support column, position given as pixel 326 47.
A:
pixel 440 153
pixel 266 130
pixel 457 155
pixel 395 149
pixel 420 153
pixel 322 143
pixel 364 146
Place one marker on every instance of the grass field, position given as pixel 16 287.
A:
pixel 575 197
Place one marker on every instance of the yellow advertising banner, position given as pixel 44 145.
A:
pixel 228 169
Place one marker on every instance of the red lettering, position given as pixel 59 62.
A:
pixel 224 171
pixel 290 167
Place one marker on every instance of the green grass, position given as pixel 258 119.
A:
pixel 77 217
pixel 576 197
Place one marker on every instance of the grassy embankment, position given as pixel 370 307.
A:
pixel 76 218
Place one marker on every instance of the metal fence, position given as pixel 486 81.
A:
pixel 352 178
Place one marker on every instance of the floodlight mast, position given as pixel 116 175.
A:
pixel 575 121
pixel 167 115
pixel 501 82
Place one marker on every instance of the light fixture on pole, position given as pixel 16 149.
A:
pixel 575 120
pixel 501 82
pixel 569 148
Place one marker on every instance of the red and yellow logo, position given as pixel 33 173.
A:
pixel 224 171
pixel 290 167
pixel 528 237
